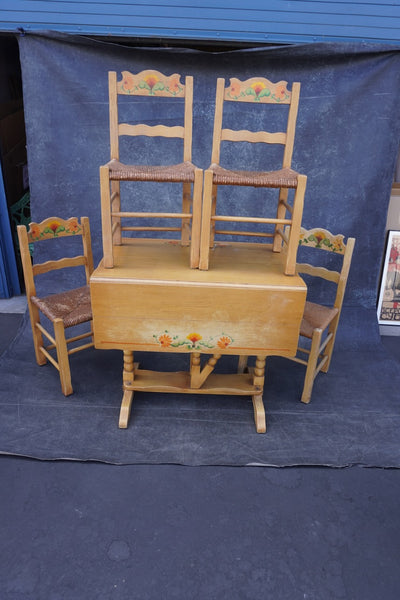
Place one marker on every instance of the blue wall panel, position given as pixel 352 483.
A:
pixel 257 21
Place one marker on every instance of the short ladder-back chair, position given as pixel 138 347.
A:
pixel 64 309
pixel 258 91
pixel 150 84
pixel 319 319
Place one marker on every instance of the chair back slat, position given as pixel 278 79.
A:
pixel 151 130
pixel 244 135
pixel 62 263
pixel 322 272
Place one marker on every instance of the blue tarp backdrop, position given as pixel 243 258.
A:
pixel 347 135
pixel 347 140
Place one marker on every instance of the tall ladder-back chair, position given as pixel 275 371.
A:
pixel 258 91
pixel 320 322
pixel 63 309
pixel 317 318
pixel 150 84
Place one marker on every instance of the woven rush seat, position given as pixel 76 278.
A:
pixel 73 306
pixel 180 173
pixel 283 178
pixel 316 316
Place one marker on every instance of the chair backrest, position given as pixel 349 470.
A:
pixel 150 83
pixel 323 239
pixel 53 228
pixel 256 90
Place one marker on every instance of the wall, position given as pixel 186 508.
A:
pixel 255 21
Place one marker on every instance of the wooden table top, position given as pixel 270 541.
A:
pixel 249 265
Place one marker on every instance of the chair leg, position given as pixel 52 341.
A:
pixel 242 364
pixel 196 219
pixel 206 221
pixel 280 214
pixel 62 357
pixel 329 347
pixel 294 234
pixel 37 335
pixel 106 220
pixel 186 204
pixel 213 213
pixel 311 366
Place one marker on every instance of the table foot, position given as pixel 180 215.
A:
pixel 125 411
pixel 259 413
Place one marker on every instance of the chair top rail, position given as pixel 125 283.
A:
pixel 322 239
pixel 54 227
pixel 259 89
pixel 151 83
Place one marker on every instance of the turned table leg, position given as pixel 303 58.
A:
pixel 128 377
pixel 258 405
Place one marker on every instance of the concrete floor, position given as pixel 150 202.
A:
pixel 83 531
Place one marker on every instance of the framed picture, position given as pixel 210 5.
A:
pixel 389 294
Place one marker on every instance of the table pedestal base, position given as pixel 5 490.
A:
pixel 250 383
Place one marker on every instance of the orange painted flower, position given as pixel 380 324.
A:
pixel 235 89
pixel 53 226
pixel 151 80
pixel 174 85
pixel 319 236
pixel 165 340
pixel 224 341
pixel 73 226
pixel 280 92
pixel 34 231
pixel 128 81
pixel 258 87
pixel 194 337
pixel 338 245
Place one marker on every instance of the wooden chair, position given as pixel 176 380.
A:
pixel 319 323
pixel 150 84
pixel 258 91
pixel 64 309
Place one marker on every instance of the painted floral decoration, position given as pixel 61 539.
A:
pixel 319 239
pixel 53 228
pixel 257 89
pixel 152 82
pixel 192 341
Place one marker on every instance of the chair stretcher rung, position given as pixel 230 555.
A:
pixel 46 333
pixel 271 220
pixel 79 348
pixel 150 229
pixel 49 357
pixel 287 206
pixel 283 235
pixel 246 233
pixel 152 214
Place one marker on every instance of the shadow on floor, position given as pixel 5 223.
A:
pixel 76 530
